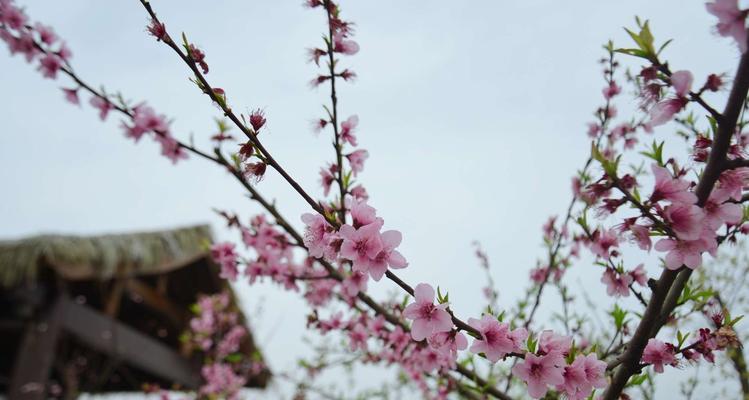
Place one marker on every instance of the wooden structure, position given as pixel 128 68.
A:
pixel 103 314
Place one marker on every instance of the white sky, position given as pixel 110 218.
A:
pixel 473 113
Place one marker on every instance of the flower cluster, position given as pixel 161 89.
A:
pixel 547 367
pixel 217 332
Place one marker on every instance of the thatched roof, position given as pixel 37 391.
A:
pixel 101 257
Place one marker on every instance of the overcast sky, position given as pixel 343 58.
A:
pixel 474 114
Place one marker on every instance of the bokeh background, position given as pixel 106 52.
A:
pixel 474 115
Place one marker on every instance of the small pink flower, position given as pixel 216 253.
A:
pixel 658 354
pixel 388 257
pixel 225 255
pixel 354 283
pixel 539 372
pixel 733 182
pixel 550 342
pixel 641 235
pixel 49 65
pixel 71 95
pixel 719 211
pixel 64 52
pixel 46 34
pixel 361 212
pixel 612 90
pixel 686 220
pixel 198 56
pixel 13 17
pixel 316 233
pixel 639 275
pixel 496 338
pixel 104 106
pixel 427 317
pixel 157 30
pixel 356 159
pixel 731 20
pixel 669 188
pixel 603 242
pixel 347 130
pixel 361 245
pixel 665 110
pixel 343 45
pixel 257 119
pixel 682 82
pixel 359 192
pixel 616 284
pixel 681 252
pixel 327 177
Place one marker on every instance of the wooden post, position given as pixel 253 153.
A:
pixel 36 355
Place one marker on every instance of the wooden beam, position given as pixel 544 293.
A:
pixel 152 298
pixel 113 301
pixel 133 347
pixel 36 355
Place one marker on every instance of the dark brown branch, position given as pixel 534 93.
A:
pixel 666 291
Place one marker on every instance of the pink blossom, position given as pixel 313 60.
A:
pixel 103 105
pixel 686 220
pixel 538 275
pixel 448 343
pixel 347 130
pixel 361 245
pixel 327 177
pixel 225 255
pixel 230 342
pixel 731 20
pixel 356 159
pixel 496 338
pixel 13 17
pixel 718 211
pixel 575 383
pixel 641 235
pixel 343 45
pixel 49 65
pixel 682 82
pixel 361 212
pixel 681 252
pixel 359 192
pixel 221 381
pixel 616 284
pixel 612 90
pixel 584 374
pixel 146 119
pixel 197 56
pixel 46 34
pixel 669 188
pixel 733 182
pixel 71 95
pixel 658 354
pixel 427 317
pixel 257 119
pixel 316 233
pixel 639 275
pixel 550 342
pixel 388 257
pixel 64 52
pixel 354 283
pixel 157 30
pixel 665 110
pixel 358 337
pixel 603 241
pixel 539 372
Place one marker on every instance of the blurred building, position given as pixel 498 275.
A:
pixel 105 313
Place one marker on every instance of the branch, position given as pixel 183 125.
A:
pixel 666 291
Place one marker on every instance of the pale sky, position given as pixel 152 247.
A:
pixel 474 114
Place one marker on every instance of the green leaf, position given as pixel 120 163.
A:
pixel 619 315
